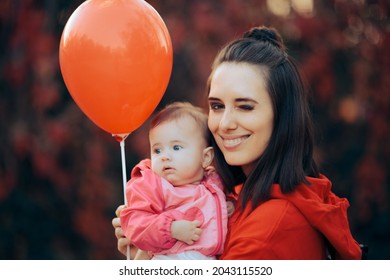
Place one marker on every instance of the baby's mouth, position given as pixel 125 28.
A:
pixel 167 168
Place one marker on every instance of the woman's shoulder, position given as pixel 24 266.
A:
pixel 272 210
pixel 270 217
pixel 278 207
pixel 264 232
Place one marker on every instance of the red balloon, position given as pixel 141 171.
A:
pixel 116 61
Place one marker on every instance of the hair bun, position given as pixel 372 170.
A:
pixel 266 34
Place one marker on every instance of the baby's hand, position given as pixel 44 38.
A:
pixel 230 207
pixel 186 231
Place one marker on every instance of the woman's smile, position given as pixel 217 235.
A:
pixel 231 142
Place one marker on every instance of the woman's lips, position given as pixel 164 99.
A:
pixel 233 141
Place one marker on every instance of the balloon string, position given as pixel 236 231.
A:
pixel 122 145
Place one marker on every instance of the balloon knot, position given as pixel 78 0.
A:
pixel 120 137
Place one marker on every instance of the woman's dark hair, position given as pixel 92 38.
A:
pixel 288 157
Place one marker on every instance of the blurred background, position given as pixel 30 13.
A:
pixel 60 175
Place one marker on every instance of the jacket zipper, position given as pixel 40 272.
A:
pixel 219 219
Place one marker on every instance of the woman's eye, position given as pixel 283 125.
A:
pixel 215 106
pixel 246 107
pixel 177 147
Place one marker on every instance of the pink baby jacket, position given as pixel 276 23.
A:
pixel 153 204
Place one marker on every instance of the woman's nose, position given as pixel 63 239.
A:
pixel 228 121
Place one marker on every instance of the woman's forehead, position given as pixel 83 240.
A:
pixel 237 81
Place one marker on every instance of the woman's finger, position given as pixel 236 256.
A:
pixel 119 209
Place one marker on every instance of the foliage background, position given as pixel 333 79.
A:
pixel 60 176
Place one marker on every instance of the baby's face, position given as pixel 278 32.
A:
pixel 177 151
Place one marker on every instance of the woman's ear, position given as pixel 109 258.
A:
pixel 208 156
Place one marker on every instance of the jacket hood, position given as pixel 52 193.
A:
pixel 144 164
pixel 324 211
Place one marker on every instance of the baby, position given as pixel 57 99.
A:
pixel 177 208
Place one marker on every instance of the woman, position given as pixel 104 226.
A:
pixel 263 143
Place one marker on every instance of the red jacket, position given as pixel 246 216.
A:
pixel 293 226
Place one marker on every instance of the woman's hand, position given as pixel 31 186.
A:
pixel 122 242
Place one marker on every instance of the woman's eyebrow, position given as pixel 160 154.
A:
pixel 245 100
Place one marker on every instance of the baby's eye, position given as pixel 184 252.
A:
pixel 177 147
pixel 156 151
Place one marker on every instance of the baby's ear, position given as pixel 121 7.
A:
pixel 208 156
